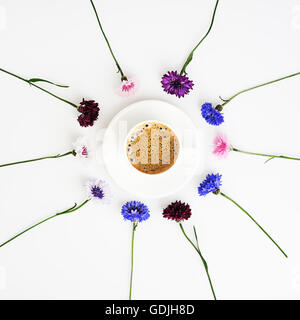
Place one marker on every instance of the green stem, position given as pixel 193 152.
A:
pixel 123 77
pixel 33 84
pixel 260 85
pixel 134 225
pixel 37 159
pixel 202 258
pixel 271 156
pixel 190 57
pixel 72 209
pixel 261 228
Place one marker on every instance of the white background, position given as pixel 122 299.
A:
pixel 87 255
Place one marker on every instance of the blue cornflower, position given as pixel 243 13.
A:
pixel 135 211
pixel 211 115
pixel 211 183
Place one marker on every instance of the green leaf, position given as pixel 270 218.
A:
pixel 190 58
pixel 271 158
pixel 42 80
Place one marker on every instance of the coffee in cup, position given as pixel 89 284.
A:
pixel 152 147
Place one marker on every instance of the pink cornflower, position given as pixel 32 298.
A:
pixel 221 146
pixel 81 148
pixel 127 88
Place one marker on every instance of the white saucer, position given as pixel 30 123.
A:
pixel 155 185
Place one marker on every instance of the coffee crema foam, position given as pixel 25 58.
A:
pixel 152 148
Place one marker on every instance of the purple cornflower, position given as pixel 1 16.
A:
pixel 98 190
pixel 174 83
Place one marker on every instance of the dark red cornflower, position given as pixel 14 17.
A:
pixel 89 112
pixel 177 211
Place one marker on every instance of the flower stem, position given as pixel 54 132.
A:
pixel 261 228
pixel 33 84
pixel 123 77
pixel 199 252
pixel 190 57
pixel 258 86
pixel 72 209
pixel 271 156
pixel 37 159
pixel 134 225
